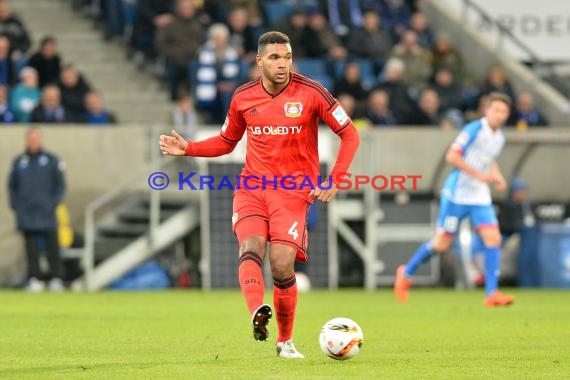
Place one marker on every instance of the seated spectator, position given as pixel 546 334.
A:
pixel 447 55
pixel 370 41
pixel 6 114
pixel 343 15
pixel 50 109
pixel 449 92
pixel 395 14
pixel 351 83
pixel 217 74
pixel 153 15
pixel 398 92
pixel 6 67
pixel 320 40
pixel 419 24
pixel 526 114
pixel 478 113
pixel 95 111
pixel 14 29
pixel 497 81
pixel 179 42
pixel 428 109
pixel 242 36
pixel 378 110
pixel 351 106
pixel 73 88
pixel 416 59
pixel 294 27
pixel 26 95
pixel 46 62
pixel 184 117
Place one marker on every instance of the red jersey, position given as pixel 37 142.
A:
pixel 282 129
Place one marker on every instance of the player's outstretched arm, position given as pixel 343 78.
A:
pixel 173 145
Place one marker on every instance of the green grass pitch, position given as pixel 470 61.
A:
pixel 206 335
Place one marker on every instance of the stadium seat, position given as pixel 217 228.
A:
pixel 277 10
pixel 315 69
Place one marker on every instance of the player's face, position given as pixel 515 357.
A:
pixel 275 61
pixel 497 114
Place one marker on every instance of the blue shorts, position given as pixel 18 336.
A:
pixel 450 214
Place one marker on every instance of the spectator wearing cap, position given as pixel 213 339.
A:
pixel 26 95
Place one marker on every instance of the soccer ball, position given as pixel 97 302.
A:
pixel 303 282
pixel 341 338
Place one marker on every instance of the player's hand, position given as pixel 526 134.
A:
pixel 173 145
pixel 485 177
pixel 324 195
pixel 500 183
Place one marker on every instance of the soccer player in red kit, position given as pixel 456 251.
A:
pixel 279 112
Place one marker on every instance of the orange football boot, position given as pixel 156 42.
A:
pixel 402 285
pixel 498 299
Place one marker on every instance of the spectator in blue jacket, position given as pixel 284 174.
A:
pixel 36 187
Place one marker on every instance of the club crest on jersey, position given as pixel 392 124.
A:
pixel 293 109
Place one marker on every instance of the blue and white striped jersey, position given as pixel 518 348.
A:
pixel 480 146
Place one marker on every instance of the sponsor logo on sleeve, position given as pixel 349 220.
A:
pixel 340 116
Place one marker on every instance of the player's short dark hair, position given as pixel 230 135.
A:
pixel 272 37
pixel 499 97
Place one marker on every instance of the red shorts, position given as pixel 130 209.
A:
pixel 277 215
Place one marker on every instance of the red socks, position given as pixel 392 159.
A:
pixel 285 302
pixel 251 280
pixel 284 293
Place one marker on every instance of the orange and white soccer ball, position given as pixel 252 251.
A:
pixel 341 338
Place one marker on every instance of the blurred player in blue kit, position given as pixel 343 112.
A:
pixel 466 193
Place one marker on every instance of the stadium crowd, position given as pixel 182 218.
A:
pixel 36 87
pixel 380 58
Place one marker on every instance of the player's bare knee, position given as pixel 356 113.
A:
pixel 492 240
pixel 282 262
pixel 441 243
pixel 255 244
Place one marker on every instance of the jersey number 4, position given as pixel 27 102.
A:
pixel 293 230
